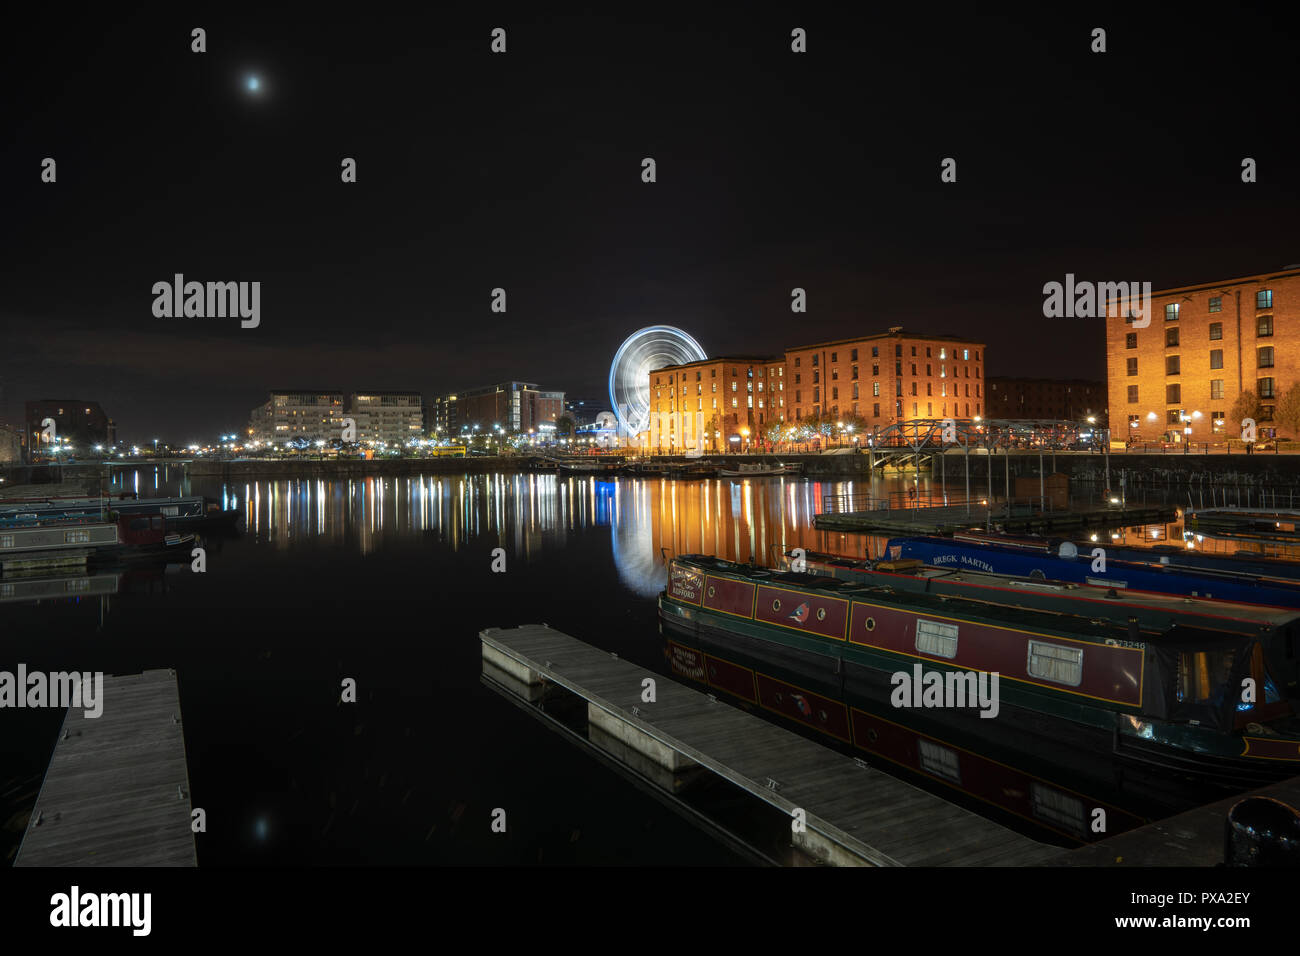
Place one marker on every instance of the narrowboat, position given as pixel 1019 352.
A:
pixel 757 469
pixel 1142 609
pixel 1209 705
pixel 84 539
pixel 192 511
pixel 1242 562
pixel 1049 793
pixel 1070 563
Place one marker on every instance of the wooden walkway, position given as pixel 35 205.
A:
pixel 945 520
pixel 117 791
pixel 863 815
pixel 1192 838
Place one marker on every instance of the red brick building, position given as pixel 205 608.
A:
pixel 882 379
pixel 1073 400
pixel 1181 376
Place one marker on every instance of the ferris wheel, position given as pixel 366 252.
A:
pixel 629 376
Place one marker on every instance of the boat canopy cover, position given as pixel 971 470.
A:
pixel 1195 674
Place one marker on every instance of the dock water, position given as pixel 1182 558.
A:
pixel 855 815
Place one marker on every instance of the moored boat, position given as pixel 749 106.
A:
pixel 82 540
pixel 1070 563
pixel 1168 700
pixel 756 469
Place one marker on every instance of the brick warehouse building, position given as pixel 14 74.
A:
pixel 1206 344
pixel 1046 398
pixel 882 379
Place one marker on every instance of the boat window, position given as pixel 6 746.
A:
pixel 939 761
pixel 1061 665
pixel 1203 675
pixel 1053 806
pixel 139 524
pixel 937 638
pixel 157 522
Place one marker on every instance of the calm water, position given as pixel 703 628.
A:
pixel 389 581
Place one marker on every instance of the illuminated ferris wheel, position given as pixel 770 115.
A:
pixel 629 376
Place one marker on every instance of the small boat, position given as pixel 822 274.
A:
pixel 1163 700
pixel 756 469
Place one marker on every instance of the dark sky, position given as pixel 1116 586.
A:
pixel 522 171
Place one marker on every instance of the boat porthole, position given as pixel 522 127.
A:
pixel 710 590
pixel 872 735
pixel 776 605
pixel 871 624
pixel 821 614
pixel 823 716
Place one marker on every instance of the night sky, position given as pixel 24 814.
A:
pixel 523 171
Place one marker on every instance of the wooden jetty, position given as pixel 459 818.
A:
pixel 950 518
pixel 855 815
pixel 117 791
pixel 1192 838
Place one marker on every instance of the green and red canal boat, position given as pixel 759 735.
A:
pixel 1202 703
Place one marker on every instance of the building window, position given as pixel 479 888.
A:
pixel 1264 357
pixel 1131 340
pixel 875 351
pixel 835 375
pixel 875 388
pixel 835 357
pixel 913 388
pixel 1216 388
pixel 898 351
pixel 1264 299
pixel 915 413
pixel 1216 331
pixel 1264 325
pixel 1218 419
pixel 929 390
pixel 1173 394
pixel 1171 337
pixel 817 394
pixel 796 361
pixel 735 403
pixel 1265 388
pixel 1132 366
pixel 816 360
pixel 928 370
pixel 1216 304
pixel 1216 358
pixel 853 355
pixel 854 373
pixel 1132 394
pixel 913 368
pixel 835 393
pixel 875 410
pixel 914 351
pixel 855 390
pixel 817 377
pixel 1171 364
pixel 1266 413
pixel 1174 416
pixel 1133 421
pixel 875 370
pixel 898 368
pixel 1171 312
pixel 733 386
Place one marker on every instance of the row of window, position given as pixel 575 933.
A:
pixel 1263 300
pixel 1264 388
pixel 1264 358
pixel 898 353
pixel 1263 330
